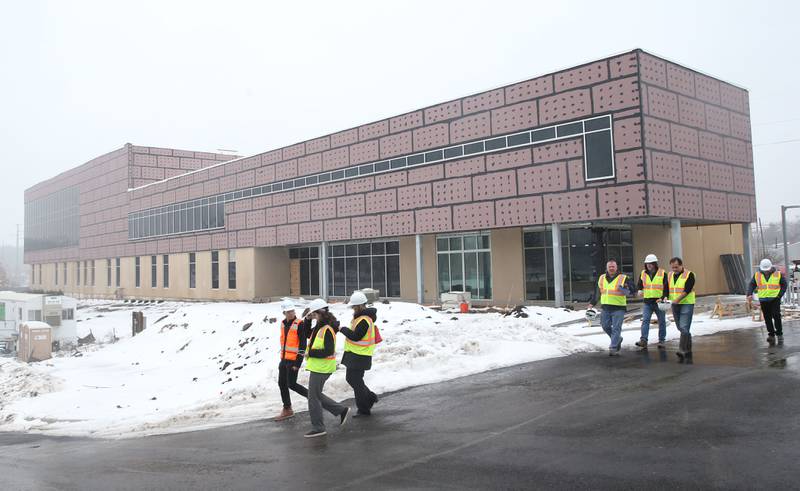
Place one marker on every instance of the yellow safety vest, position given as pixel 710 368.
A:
pixel 768 288
pixel 653 288
pixel 366 345
pixel 321 365
pixel 611 293
pixel 676 287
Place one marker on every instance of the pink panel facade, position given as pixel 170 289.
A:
pixel 681 145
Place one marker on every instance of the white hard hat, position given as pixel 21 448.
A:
pixel 591 314
pixel 287 306
pixel 357 298
pixel 765 265
pixel 317 304
pixel 651 258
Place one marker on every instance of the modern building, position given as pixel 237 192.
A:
pixel 516 194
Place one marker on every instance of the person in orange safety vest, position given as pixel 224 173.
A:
pixel 294 336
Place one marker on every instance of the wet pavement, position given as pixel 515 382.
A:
pixel 727 421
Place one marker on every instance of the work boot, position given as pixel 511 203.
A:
pixel 286 413
pixel 771 338
pixel 642 343
pixel 681 353
pixel 613 352
pixel 662 345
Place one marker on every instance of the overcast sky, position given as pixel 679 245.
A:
pixel 82 78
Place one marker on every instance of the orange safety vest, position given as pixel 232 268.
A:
pixel 290 344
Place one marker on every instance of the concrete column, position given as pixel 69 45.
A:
pixel 558 266
pixel 677 245
pixel 323 270
pixel 747 251
pixel 420 279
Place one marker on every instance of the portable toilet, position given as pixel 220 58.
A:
pixel 35 342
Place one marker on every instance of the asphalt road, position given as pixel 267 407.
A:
pixel 587 421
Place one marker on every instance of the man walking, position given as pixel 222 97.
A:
pixel 653 288
pixel 613 289
pixel 358 349
pixel 294 334
pixel 770 285
pixel 681 294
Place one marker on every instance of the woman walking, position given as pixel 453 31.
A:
pixel 321 363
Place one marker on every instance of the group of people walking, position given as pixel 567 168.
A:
pixel 675 290
pixel 313 338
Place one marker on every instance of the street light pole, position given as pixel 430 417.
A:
pixel 786 252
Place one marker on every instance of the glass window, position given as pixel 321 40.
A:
pixel 214 269
pixel 464 264
pixel 118 268
pixel 108 272
pixel 165 266
pixel 192 270
pixel 365 265
pixel 231 270
pixel 599 155
pixel 137 271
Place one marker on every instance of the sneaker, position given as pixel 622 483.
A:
pixel 771 338
pixel 343 416
pixel 613 352
pixel 315 433
pixel 286 413
pixel 642 343
pixel 662 345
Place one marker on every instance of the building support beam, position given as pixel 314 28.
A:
pixel 677 244
pixel 747 252
pixel 558 266
pixel 323 270
pixel 420 279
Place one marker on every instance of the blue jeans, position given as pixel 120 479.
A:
pixel 611 320
pixel 647 314
pixel 683 313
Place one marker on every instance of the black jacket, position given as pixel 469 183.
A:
pixel 352 360
pixel 753 285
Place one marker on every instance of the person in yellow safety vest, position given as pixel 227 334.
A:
pixel 294 336
pixel 653 288
pixel 770 286
pixel 681 294
pixel 358 348
pixel 613 288
pixel 321 363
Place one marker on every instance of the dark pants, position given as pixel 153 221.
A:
pixel 287 379
pixel 365 398
pixel 317 401
pixel 772 316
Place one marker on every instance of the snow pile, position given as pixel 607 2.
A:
pixel 199 365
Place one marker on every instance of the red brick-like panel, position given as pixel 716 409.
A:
pixel 361 185
pixel 518 211
pixel 739 207
pixel 684 140
pixel 338 229
pixel 626 64
pixel 470 128
pixel 436 135
pixel 442 112
pixel 244 238
pixel 720 176
pixel 484 101
pixel 283 198
pixel 276 215
pixel 680 80
pixel 363 152
pixel 405 122
pixel 382 201
pixel 558 151
pixel 695 172
pixel 582 76
pixel 733 97
pixel 310 232
pixel 294 151
pixel 397 144
pixel 426 174
pixel 737 152
pixel 630 166
pixel 715 205
pixel 430 220
pixel 529 89
pixel 510 160
pixel 652 70
pixel 473 216
pixel 300 212
pixel 287 234
pixel 616 95
pixel 323 209
pixel 331 190
pixel 514 117
pixel 692 112
pixel 265 175
pixel 628 134
pixel 570 207
pixel 542 178
pixel 466 167
pixel 494 185
pixel 310 164
pixel 286 170
pixel 662 104
pixel 718 120
pixel 712 147
pixel 396 224
pixel 346 137
pixel 335 159
pixel 458 190
pixel 373 130
pixel 706 88
pixel 660 200
pixel 688 203
pixel 411 197
pixel 667 168
pixel 740 126
pixel 565 106
pixel 348 206
pixel 575 174
pixel 622 201
pixel 366 227
pixel 318 144
pixel 743 181
pixel 392 179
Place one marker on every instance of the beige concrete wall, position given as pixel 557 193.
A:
pixel 408 268
pixel 702 247
pixel 429 270
pixel 271 273
pixel 508 267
